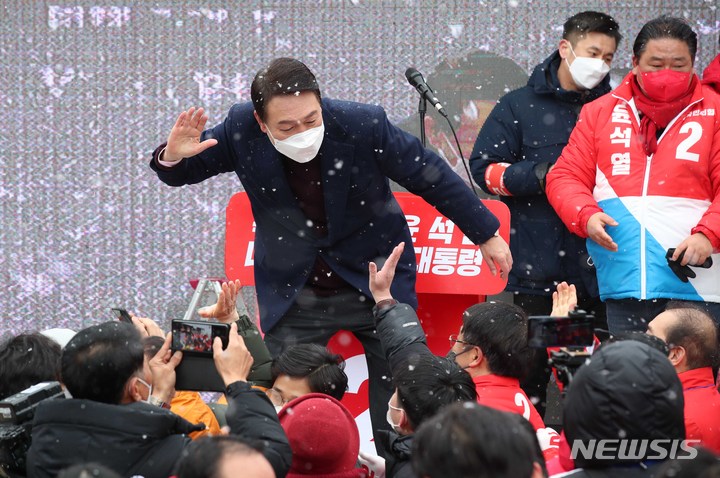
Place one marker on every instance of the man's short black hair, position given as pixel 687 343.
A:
pixel 203 457
pixel 500 330
pixel 694 330
pixel 469 440
pixel 322 368
pixel 665 26
pixel 99 360
pixel 426 383
pixel 580 24
pixel 283 76
pixel 28 359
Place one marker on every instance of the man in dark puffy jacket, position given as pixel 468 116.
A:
pixel 118 420
pixel 623 414
pixel 516 148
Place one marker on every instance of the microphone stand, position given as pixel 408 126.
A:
pixel 422 109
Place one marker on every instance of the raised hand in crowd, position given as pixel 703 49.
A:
pixel 225 310
pixel 564 300
pixel 381 280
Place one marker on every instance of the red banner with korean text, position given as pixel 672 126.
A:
pixel 447 261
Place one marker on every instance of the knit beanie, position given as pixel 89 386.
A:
pixel 323 437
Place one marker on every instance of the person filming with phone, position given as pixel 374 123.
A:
pixel 117 419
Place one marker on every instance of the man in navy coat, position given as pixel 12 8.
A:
pixel 316 173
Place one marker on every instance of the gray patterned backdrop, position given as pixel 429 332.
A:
pixel 88 89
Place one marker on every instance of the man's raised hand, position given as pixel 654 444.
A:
pixel 225 310
pixel 381 280
pixel 564 300
pixel 184 138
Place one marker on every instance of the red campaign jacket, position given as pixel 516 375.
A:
pixel 657 200
pixel 505 394
pixel 702 407
pixel 711 75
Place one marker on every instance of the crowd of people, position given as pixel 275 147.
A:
pixel 612 190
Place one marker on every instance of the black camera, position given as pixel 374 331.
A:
pixel 16 414
pixel 571 336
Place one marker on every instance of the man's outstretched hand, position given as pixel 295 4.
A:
pixel 496 254
pixel 184 139
pixel 381 280
pixel 225 310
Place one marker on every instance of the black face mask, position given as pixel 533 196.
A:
pixel 452 355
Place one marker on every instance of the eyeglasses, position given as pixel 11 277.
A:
pixel 454 339
pixel 275 397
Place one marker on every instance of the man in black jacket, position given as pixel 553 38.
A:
pixel 518 145
pixel 118 420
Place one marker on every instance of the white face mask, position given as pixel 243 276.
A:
pixel 587 73
pixel 301 147
pixel 395 426
pixel 149 388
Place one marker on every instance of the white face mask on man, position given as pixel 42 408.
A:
pixel 587 73
pixel 149 389
pixel 301 147
pixel 388 417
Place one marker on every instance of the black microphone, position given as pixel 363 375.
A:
pixel 416 79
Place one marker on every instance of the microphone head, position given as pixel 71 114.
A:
pixel 411 74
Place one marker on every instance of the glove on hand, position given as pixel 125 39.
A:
pixel 684 273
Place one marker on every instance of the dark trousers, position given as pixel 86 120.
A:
pixel 315 319
pixel 626 315
pixel 536 382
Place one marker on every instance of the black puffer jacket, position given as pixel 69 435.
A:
pixel 630 391
pixel 134 439
pixel 400 332
pixel 528 128
pixel 396 450
pixel 141 439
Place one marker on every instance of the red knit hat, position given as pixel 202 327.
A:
pixel 323 437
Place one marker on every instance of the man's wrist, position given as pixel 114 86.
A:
pixel 164 160
pixel 230 379
pixel 384 304
pixel 158 402
pixel 229 318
